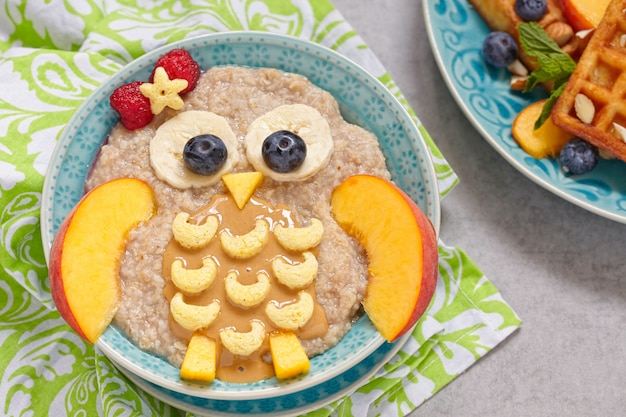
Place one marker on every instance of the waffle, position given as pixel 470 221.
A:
pixel 599 85
pixel 500 15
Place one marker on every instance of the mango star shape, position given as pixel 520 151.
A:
pixel 163 92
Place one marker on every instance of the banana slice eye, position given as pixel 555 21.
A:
pixel 296 139
pixel 168 145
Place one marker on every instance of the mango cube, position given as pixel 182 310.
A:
pixel 288 355
pixel 242 185
pixel 200 360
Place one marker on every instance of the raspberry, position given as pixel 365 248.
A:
pixel 179 64
pixel 133 107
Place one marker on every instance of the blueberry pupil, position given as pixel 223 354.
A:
pixel 205 154
pixel 284 151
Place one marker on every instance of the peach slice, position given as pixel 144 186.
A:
pixel 87 251
pixel 584 14
pixel 401 246
pixel 538 143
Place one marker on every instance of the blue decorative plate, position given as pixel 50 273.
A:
pixel 456 33
pixel 362 99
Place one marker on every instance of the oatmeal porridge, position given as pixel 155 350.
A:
pixel 240 95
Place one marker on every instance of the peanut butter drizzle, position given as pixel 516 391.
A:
pixel 256 367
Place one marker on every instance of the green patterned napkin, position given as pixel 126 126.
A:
pixel 53 55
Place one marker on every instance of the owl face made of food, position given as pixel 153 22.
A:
pixel 243 255
pixel 275 226
pixel 240 271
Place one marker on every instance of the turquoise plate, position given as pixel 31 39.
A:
pixel 456 33
pixel 362 99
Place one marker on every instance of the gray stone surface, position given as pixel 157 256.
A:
pixel 560 267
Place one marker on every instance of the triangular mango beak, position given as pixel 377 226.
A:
pixel 241 186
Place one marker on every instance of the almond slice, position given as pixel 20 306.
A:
pixel 584 107
pixel 621 130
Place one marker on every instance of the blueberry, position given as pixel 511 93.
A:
pixel 205 154
pixel 531 10
pixel 578 156
pixel 499 49
pixel 284 151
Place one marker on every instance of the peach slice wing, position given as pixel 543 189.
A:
pixel 401 247
pixel 87 251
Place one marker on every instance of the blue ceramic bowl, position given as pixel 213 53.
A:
pixel 363 100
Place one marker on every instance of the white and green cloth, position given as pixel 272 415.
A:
pixel 53 54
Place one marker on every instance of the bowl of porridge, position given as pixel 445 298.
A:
pixel 246 75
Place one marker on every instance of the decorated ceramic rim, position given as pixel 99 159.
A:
pixel 362 99
pixel 289 405
pixel 456 31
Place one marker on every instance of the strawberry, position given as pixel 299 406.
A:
pixel 178 63
pixel 133 107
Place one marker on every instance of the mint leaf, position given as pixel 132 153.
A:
pixel 547 107
pixel 554 64
pixel 536 41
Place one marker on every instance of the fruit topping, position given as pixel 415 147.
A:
pixel 132 106
pixel 578 156
pixel 531 10
pixel 84 266
pixel 304 121
pixel 178 64
pixel 241 185
pixel 205 154
pixel 584 14
pixel 288 356
pixel 499 49
pixel 200 360
pixel 168 143
pixel 284 151
pixel 137 102
pixel 541 142
pixel 401 247
pixel 164 92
